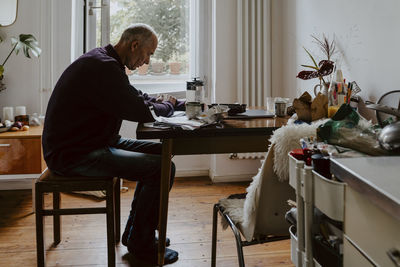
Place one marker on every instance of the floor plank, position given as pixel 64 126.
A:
pixel 84 237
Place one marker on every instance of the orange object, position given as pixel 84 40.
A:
pixel 332 110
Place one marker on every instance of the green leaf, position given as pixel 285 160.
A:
pixel 28 44
pixel 312 58
pixel 308 66
pixel 1 70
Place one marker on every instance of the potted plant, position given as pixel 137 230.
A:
pixel 324 67
pixel 157 66
pixel 175 64
pixel 142 70
pixel 25 42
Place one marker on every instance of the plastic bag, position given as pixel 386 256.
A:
pixel 349 129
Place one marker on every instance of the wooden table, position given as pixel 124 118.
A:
pixel 233 136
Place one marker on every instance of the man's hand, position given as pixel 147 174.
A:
pixel 166 97
pixel 172 100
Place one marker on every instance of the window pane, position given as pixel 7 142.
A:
pixel 170 20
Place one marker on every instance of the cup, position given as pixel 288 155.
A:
pixel 20 110
pixel 271 104
pixel 280 108
pixel 8 113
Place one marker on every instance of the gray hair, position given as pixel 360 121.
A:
pixel 138 31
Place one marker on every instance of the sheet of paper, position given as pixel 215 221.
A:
pixel 177 120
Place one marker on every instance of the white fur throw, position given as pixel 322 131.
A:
pixel 234 208
pixel 286 139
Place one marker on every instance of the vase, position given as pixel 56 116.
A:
pixel 2 85
pixel 157 67
pixel 323 89
pixel 174 67
pixel 142 70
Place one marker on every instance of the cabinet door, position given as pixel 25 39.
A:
pixel 373 230
pixel 20 156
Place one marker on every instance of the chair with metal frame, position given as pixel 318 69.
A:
pixel 259 216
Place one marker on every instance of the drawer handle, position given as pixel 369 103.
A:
pixel 394 255
pixel 5 145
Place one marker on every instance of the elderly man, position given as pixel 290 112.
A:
pixel 83 119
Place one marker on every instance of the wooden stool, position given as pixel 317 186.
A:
pixel 49 182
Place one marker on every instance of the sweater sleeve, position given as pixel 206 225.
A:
pixel 115 95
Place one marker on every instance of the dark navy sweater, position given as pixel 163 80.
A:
pixel 87 106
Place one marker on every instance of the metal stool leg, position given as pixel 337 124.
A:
pixel 56 219
pixel 39 227
pixel 214 236
pixel 110 224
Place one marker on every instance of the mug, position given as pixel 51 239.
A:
pixel 280 108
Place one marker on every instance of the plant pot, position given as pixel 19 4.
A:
pixel 157 67
pixel 142 70
pixel 2 85
pixel 175 67
pixel 128 71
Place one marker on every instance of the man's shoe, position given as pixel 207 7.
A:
pixel 124 239
pixel 150 256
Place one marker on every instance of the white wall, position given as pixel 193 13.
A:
pixel 366 32
pixel 21 74
pixel 29 81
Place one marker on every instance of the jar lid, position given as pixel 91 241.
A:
pixel 197 82
pixel 190 86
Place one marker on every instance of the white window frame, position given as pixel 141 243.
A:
pixel 200 51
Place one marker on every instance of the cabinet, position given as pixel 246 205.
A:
pixel 372 210
pixel 367 200
pixel 21 157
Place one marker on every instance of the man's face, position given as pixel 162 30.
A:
pixel 140 53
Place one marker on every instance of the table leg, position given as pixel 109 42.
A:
pixel 164 194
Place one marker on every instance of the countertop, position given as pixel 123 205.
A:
pixel 376 177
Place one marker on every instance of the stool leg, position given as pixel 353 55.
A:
pixel 56 219
pixel 117 209
pixel 39 203
pixel 110 224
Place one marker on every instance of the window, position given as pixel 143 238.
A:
pixel 177 25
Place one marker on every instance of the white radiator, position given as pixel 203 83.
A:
pixel 254 57
pixel 254 155
pixel 254 51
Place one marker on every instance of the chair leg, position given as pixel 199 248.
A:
pixel 40 252
pixel 56 219
pixel 117 209
pixel 239 246
pixel 214 236
pixel 110 224
pixel 239 249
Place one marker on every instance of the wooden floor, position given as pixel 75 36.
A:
pixel 84 236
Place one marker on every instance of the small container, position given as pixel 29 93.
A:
pixel 193 109
pixel 280 107
pixel 24 119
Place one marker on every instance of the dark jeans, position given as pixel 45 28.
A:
pixel 135 161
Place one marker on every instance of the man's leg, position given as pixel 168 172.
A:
pixel 144 147
pixel 138 166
